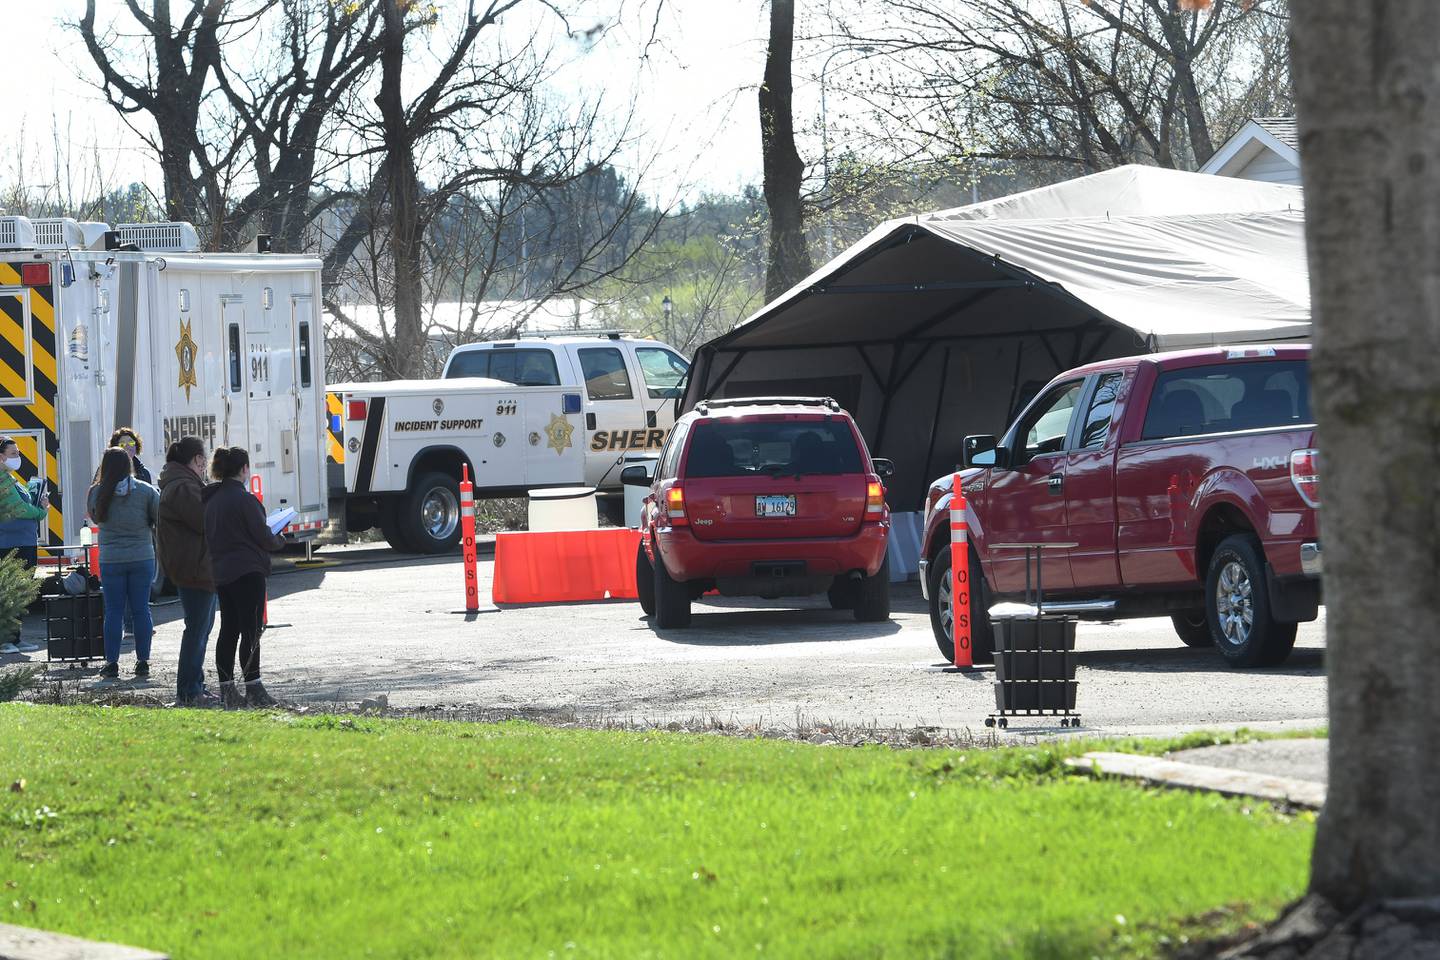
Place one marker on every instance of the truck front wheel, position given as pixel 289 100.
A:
pixel 982 642
pixel 430 514
pixel 1237 605
pixel 1193 628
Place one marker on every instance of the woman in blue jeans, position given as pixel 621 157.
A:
pixel 126 510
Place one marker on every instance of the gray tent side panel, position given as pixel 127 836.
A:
pixel 940 392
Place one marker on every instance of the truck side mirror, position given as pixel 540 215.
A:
pixel 637 476
pixel 884 469
pixel 982 450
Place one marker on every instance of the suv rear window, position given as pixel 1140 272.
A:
pixel 524 368
pixel 742 448
pixel 1225 397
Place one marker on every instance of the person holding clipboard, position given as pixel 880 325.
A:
pixel 240 541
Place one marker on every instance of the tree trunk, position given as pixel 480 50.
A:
pixel 789 257
pixel 403 195
pixel 1367 91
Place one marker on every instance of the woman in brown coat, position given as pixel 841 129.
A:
pixel 185 558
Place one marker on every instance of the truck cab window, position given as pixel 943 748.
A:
pixel 471 363
pixel 1102 409
pixel 663 372
pixel 1044 430
pixel 1220 398
pixel 605 376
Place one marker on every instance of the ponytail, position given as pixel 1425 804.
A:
pixel 185 449
pixel 227 462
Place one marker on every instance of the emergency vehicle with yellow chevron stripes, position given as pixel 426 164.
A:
pixel 134 326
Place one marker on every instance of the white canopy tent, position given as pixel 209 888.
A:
pixel 935 326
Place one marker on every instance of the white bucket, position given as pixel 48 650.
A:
pixel 563 508
pixel 635 496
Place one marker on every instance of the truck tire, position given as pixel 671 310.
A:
pixel 982 638
pixel 644 581
pixel 872 595
pixel 1193 628
pixel 1237 606
pixel 430 514
pixel 672 598
pixel 389 517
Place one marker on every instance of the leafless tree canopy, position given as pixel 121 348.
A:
pixel 1073 86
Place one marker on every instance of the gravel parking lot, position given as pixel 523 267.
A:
pixel 372 622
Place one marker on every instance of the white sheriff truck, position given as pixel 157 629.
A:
pixel 105 327
pixel 519 414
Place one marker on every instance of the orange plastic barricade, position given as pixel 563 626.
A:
pixel 565 566
pixel 960 574
pixel 467 540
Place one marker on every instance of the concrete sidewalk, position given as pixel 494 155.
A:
pixel 1292 771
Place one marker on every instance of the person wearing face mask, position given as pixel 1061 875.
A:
pixel 185 558
pixel 19 515
pixel 240 545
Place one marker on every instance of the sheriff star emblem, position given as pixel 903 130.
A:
pixel 560 431
pixel 185 351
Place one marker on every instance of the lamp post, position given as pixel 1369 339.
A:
pixel 667 307
pixel 825 145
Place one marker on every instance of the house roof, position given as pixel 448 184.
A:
pixel 1282 129
pixel 1275 134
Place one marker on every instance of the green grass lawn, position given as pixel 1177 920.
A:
pixel 254 835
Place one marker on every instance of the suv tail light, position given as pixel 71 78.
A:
pixel 1305 474
pixel 355 410
pixel 675 507
pixel 874 498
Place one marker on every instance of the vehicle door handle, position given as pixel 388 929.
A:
pixel 589 421
pixel 1056 484
pixel 649 418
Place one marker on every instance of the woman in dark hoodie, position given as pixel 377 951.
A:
pixel 180 534
pixel 240 545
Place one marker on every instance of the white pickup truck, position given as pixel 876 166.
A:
pixel 520 414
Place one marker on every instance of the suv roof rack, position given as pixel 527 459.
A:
pixel 829 403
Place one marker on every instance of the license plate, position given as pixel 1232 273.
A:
pixel 782 505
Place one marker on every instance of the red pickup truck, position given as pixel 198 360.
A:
pixel 1187 483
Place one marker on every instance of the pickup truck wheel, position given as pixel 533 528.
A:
pixel 1193 628
pixel 1237 606
pixel 982 641
pixel 430 514
pixel 672 598
pixel 644 581
pixel 872 595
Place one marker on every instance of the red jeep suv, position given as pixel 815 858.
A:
pixel 764 497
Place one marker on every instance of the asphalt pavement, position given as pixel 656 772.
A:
pixel 371 622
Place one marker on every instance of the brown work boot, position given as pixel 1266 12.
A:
pixel 231 696
pixel 256 696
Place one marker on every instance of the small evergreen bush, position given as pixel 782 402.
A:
pixel 18 589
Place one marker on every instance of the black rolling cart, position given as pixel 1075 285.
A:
pixel 1034 653
pixel 75 622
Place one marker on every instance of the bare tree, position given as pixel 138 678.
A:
pixel 1365 72
pixel 784 171
pixel 1365 82
pixel 1079 86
